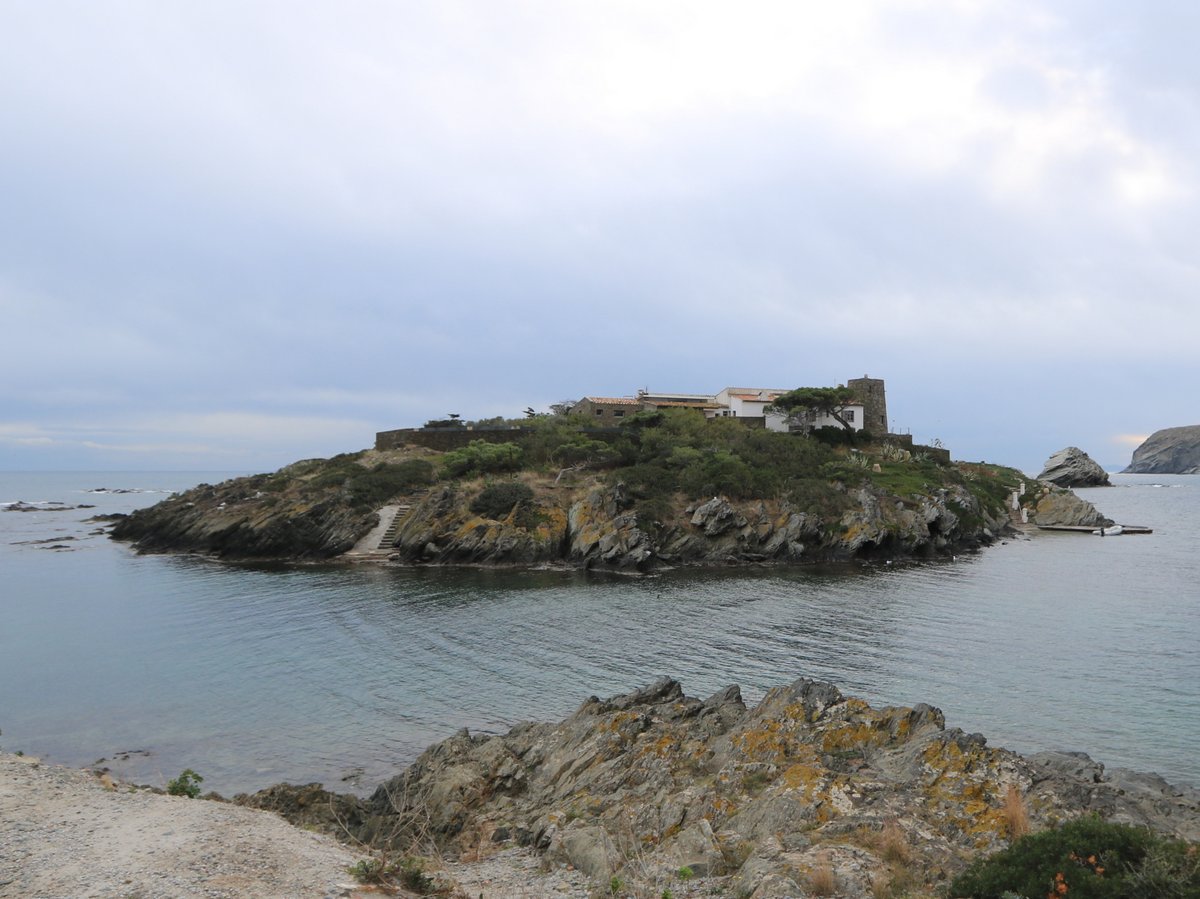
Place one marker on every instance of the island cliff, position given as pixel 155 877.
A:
pixel 675 490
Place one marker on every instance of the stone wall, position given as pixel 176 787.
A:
pixel 874 399
pixel 444 439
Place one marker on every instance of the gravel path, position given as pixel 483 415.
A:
pixel 67 833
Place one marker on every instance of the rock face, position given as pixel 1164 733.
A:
pixel 602 530
pixel 1169 451
pixel 1061 508
pixel 239 520
pixel 641 785
pixel 1072 467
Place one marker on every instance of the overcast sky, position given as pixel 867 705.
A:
pixel 235 234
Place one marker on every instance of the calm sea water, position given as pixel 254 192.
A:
pixel 342 675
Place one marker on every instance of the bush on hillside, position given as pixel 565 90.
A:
pixel 498 499
pixel 480 457
pixel 374 486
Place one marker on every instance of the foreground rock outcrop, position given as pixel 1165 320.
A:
pixel 1169 451
pixel 1072 467
pixel 806 783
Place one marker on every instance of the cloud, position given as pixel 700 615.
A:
pixel 1129 440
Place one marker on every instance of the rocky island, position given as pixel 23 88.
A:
pixel 1169 451
pixel 666 489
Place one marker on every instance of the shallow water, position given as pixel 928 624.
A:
pixel 253 675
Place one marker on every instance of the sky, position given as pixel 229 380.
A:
pixel 237 234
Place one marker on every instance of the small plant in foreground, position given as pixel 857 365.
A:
pixel 1016 815
pixel 822 881
pixel 186 784
pixel 893 844
pixel 1087 858
pixel 407 873
pixel 685 873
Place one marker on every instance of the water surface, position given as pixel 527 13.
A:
pixel 253 675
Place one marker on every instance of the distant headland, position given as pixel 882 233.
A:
pixel 1169 451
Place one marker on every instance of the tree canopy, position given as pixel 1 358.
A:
pixel 830 401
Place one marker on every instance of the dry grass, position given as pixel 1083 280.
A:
pixel 893 844
pixel 1016 813
pixel 821 880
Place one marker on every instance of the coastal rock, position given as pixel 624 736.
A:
pixel 640 784
pixel 1169 451
pixel 1072 467
pixel 234 521
pixel 1065 509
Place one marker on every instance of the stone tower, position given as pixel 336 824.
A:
pixel 874 400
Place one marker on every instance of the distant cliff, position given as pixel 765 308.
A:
pixel 1169 451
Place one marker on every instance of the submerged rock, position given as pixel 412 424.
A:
pixel 1072 467
pixel 1169 451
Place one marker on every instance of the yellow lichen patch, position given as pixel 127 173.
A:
pixel 850 736
pixel 614 724
pixel 804 777
pixel 661 748
pixel 764 743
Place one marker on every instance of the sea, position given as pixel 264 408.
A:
pixel 343 674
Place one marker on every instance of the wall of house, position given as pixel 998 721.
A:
pixel 828 421
pixel 604 414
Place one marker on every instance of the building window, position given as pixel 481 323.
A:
pixel 618 413
pixel 599 411
pixel 848 415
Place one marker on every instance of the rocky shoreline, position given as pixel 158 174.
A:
pixel 302 513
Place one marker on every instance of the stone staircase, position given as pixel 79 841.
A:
pixel 378 543
pixel 388 538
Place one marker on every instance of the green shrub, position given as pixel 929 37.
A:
pixel 481 457
pixel 497 500
pixel 407 873
pixel 375 486
pixel 1085 859
pixel 186 784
